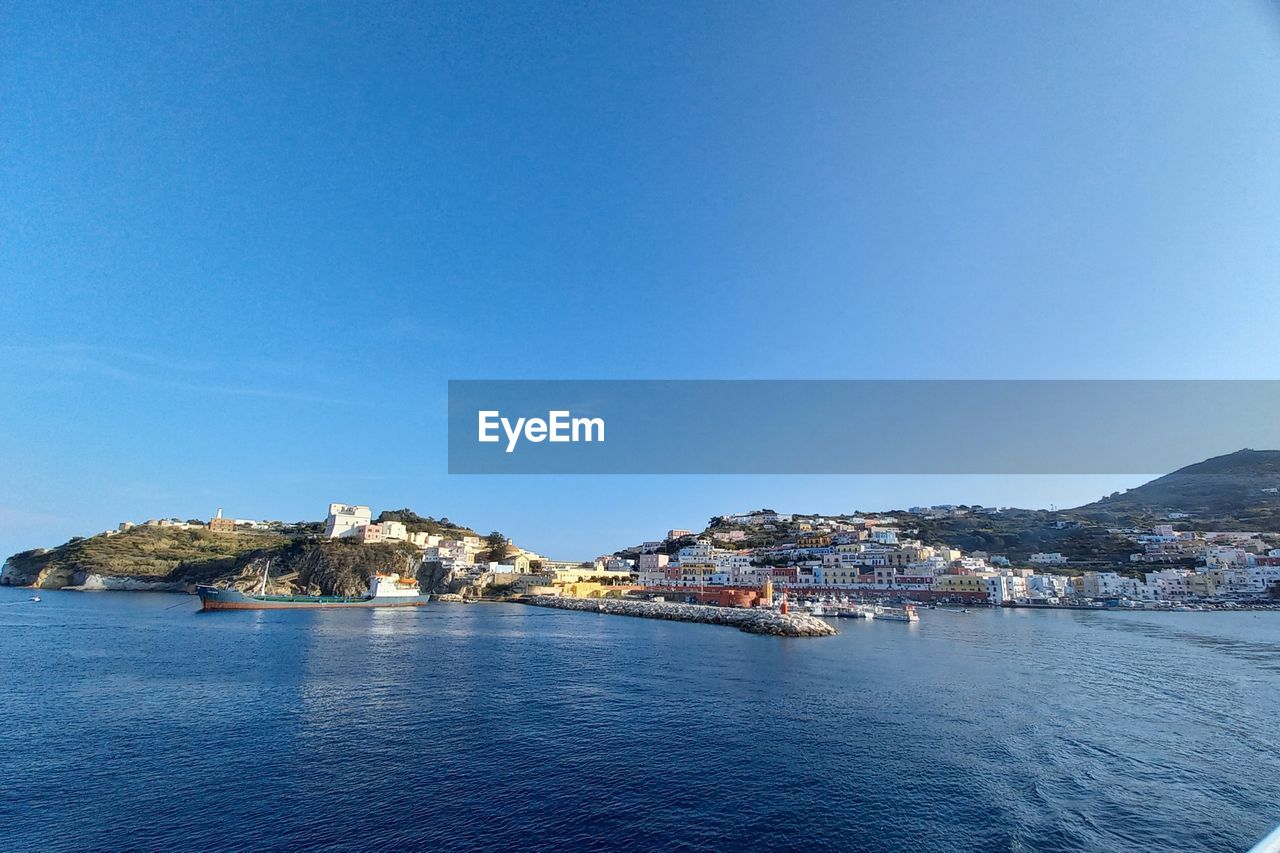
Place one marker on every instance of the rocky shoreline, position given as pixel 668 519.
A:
pixel 753 621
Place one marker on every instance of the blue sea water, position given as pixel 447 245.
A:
pixel 132 722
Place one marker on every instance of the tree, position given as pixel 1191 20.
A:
pixel 496 547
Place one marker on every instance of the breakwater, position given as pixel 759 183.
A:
pixel 753 620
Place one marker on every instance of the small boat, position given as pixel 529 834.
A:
pixel 856 611
pixel 905 614
pixel 35 598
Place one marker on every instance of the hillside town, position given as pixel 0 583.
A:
pixel 875 557
pixel 871 557
pixel 864 557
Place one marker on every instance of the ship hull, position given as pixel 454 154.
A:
pixel 213 598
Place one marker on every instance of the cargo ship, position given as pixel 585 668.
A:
pixel 385 590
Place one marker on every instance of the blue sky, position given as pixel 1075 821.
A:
pixel 246 245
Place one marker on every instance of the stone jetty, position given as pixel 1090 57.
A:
pixel 751 620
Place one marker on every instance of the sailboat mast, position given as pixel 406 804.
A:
pixel 265 571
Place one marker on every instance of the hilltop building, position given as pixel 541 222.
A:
pixel 218 524
pixel 346 520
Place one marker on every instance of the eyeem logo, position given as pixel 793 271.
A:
pixel 559 425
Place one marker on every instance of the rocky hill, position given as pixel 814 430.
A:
pixel 143 554
pixel 1014 533
pixel 309 567
pixel 1225 492
pixel 168 558
pixel 1228 492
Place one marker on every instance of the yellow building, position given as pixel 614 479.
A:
pixel 592 589
pixel 579 573
pixel 841 574
pixel 907 554
pixel 519 563
pixel 960 583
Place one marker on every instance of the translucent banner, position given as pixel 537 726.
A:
pixel 854 426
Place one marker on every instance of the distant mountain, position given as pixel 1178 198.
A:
pixel 1232 489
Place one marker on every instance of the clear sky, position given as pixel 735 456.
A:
pixel 244 246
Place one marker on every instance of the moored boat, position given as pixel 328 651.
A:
pixel 385 590
pixel 907 613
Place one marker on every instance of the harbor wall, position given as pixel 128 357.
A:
pixel 752 620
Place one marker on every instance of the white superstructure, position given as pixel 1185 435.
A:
pixel 392 585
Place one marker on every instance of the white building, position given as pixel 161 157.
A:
pixel 1040 587
pixel 1049 559
pixel 884 535
pixel 650 562
pixel 449 550
pixel 1166 584
pixel 1221 557
pixel 346 520
pixel 699 552
pixel 1002 588
pixel 736 564
pixel 424 539
pixel 1110 585
pixel 1253 580
pixel 394 531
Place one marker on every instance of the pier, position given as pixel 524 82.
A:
pixel 751 620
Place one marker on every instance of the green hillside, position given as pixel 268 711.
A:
pixel 149 553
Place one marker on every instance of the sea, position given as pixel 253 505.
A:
pixel 133 722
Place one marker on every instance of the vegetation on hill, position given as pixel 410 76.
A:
pixel 1019 533
pixel 425 524
pixel 148 553
pixel 182 558
pixel 496 544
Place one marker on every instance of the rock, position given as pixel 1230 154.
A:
pixel 96 583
